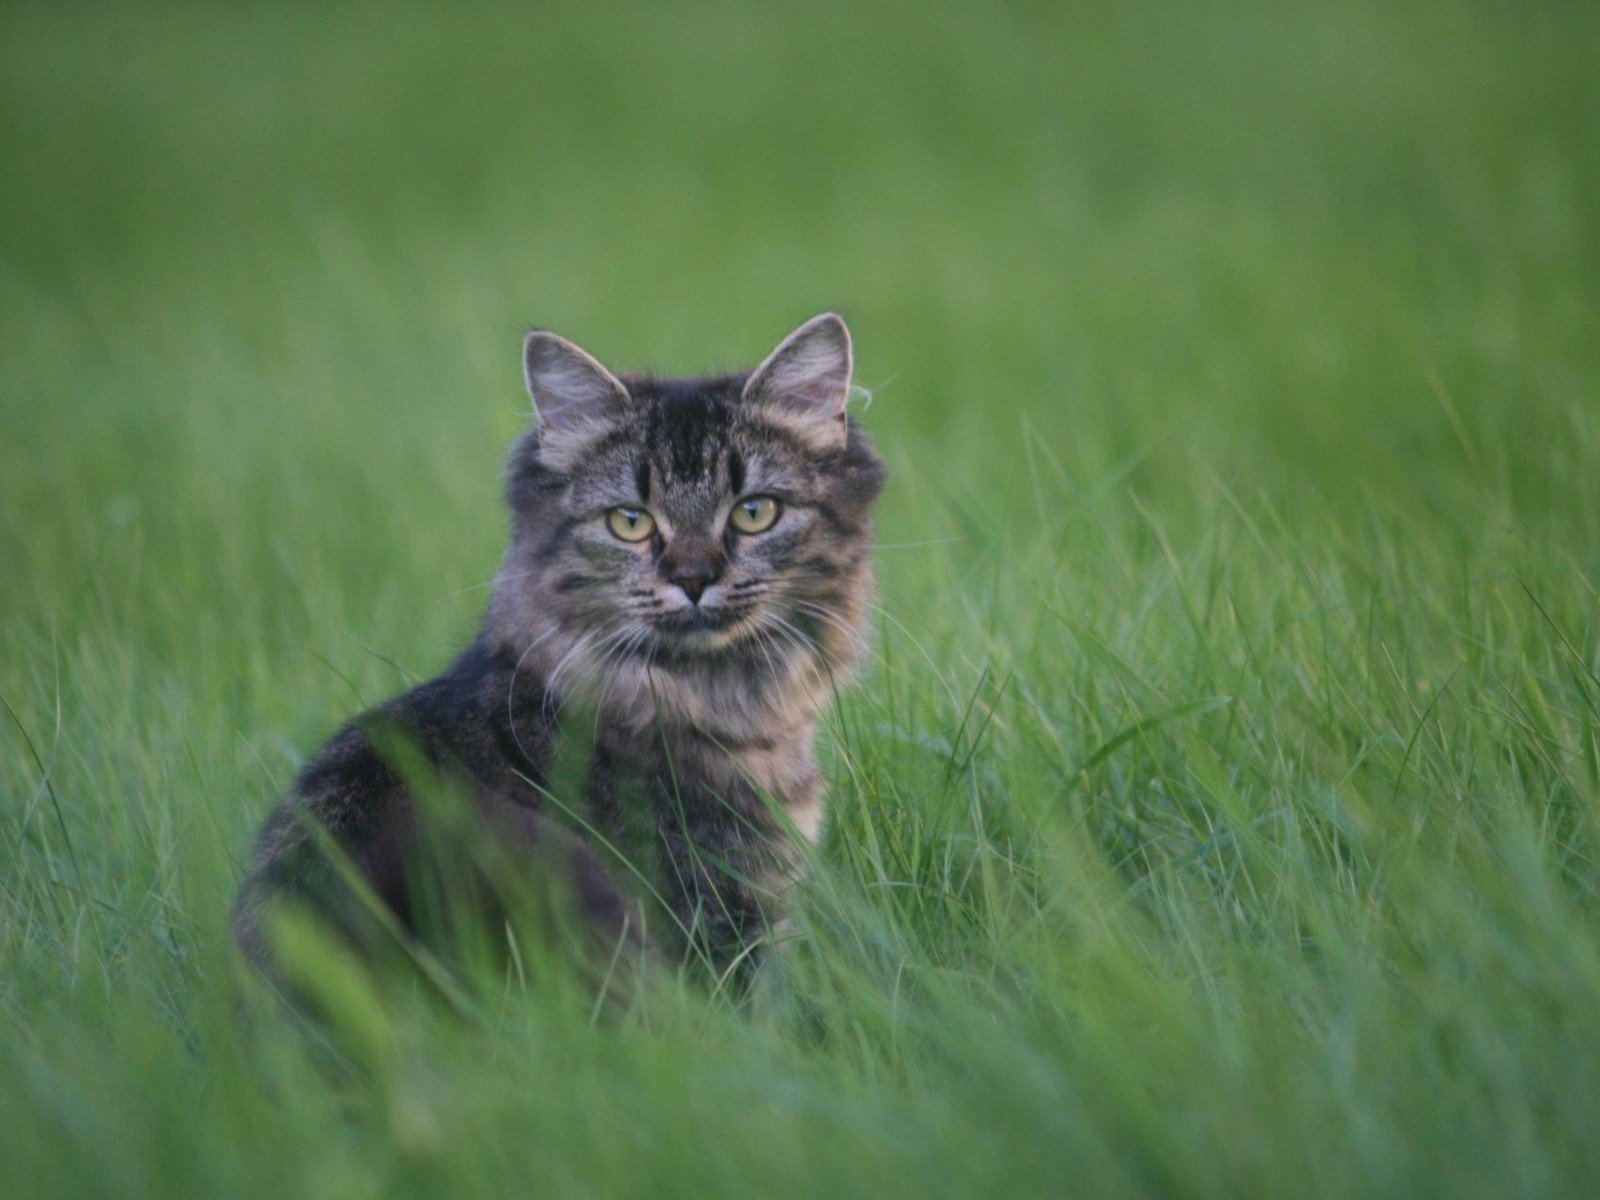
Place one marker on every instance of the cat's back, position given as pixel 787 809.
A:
pixel 482 725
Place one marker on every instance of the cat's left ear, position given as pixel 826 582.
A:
pixel 806 380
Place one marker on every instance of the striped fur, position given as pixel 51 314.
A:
pixel 702 714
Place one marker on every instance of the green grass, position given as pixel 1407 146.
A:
pixel 1221 814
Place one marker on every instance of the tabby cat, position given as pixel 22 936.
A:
pixel 688 578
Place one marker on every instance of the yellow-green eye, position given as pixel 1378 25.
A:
pixel 630 524
pixel 754 514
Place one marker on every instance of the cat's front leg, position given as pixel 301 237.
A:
pixel 728 868
pixel 604 793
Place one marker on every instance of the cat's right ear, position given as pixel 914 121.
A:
pixel 572 393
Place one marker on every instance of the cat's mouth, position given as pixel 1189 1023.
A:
pixel 702 628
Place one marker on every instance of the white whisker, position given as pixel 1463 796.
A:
pixel 511 690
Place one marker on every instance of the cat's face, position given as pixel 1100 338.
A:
pixel 687 519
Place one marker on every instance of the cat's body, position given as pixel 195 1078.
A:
pixel 689 570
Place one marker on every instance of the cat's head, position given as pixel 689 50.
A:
pixel 690 519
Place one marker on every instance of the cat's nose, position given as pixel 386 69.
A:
pixel 694 578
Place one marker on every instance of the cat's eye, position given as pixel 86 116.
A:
pixel 629 523
pixel 755 514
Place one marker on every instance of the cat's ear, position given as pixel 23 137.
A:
pixel 806 380
pixel 569 388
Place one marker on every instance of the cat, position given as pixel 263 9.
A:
pixel 688 579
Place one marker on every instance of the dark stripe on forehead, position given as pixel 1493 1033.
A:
pixel 641 477
pixel 686 434
pixel 735 470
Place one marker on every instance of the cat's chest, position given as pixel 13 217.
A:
pixel 732 706
pixel 692 763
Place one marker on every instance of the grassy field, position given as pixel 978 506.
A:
pixel 1221 815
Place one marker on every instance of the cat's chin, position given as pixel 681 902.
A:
pixel 702 631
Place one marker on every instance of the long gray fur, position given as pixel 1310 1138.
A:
pixel 704 656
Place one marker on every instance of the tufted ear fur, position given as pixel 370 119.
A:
pixel 806 380
pixel 570 390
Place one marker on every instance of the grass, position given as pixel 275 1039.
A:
pixel 1221 814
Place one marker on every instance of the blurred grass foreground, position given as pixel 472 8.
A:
pixel 1221 814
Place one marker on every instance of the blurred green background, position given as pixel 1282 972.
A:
pixel 1220 816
